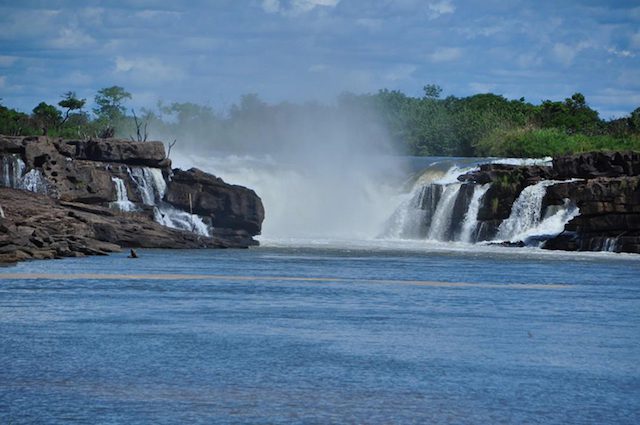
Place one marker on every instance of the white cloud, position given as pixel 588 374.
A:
pixel 621 53
pixel 400 72
pixel 271 6
pixel 446 54
pixel 528 60
pixel 147 69
pixel 72 38
pixel 3 81
pixel 440 8
pixel 565 53
pixel 296 7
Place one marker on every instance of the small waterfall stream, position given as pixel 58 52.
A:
pixel 152 188
pixel 12 169
pixel 445 210
pixel 442 218
pixel 122 202
pixel 471 217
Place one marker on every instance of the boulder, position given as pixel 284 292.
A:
pixel 228 206
pixel 37 226
pixel 150 154
pixel 597 164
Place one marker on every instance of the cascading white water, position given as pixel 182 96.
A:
pixel 170 216
pixel 526 218
pixel 610 244
pixel 150 182
pixel 122 202
pixel 471 217
pixel 152 188
pixel 442 217
pixel 12 170
pixel 33 181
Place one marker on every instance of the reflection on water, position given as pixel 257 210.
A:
pixel 330 333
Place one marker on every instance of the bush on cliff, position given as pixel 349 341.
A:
pixel 536 143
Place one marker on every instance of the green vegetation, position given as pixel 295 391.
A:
pixel 479 125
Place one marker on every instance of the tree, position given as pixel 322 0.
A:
pixel 110 103
pixel 432 91
pixel 110 110
pixel 71 103
pixel 46 116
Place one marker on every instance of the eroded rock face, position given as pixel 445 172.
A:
pixel 229 206
pixel 604 186
pixel 37 226
pixel 609 214
pixel 597 164
pixel 112 173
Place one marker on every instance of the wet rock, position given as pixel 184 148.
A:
pixel 228 206
pixel 597 164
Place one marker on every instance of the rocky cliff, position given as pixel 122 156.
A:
pixel 124 192
pixel 602 188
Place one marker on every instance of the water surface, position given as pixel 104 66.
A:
pixel 324 333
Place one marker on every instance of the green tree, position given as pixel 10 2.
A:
pixel 110 111
pixel 46 117
pixel 71 103
pixel 432 91
pixel 110 101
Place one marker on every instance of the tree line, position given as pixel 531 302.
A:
pixel 478 125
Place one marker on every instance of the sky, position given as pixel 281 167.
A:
pixel 212 52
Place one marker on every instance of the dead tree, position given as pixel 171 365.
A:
pixel 141 128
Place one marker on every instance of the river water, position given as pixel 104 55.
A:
pixel 323 332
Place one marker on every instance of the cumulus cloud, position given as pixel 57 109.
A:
pixel 271 6
pixel 72 38
pixel 400 72
pixel 151 69
pixel 446 54
pixel 566 53
pixel 296 7
pixel 440 8
pixel 620 53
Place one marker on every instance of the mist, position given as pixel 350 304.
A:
pixel 322 171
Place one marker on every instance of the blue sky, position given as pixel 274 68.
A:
pixel 211 52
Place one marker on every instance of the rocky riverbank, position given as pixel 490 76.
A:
pixel 602 187
pixel 85 197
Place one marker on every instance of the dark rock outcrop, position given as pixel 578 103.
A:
pixel 605 186
pixel 609 214
pixel 229 207
pixel 507 181
pixel 37 226
pixel 597 164
pixel 87 176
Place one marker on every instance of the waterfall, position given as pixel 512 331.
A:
pixel 170 216
pixel 12 170
pixel 152 188
pixel 609 244
pixel 122 200
pixel 442 218
pixel 412 218
pixel 33 181
pixel 150 182
pixel 526 220
pixel 471 217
